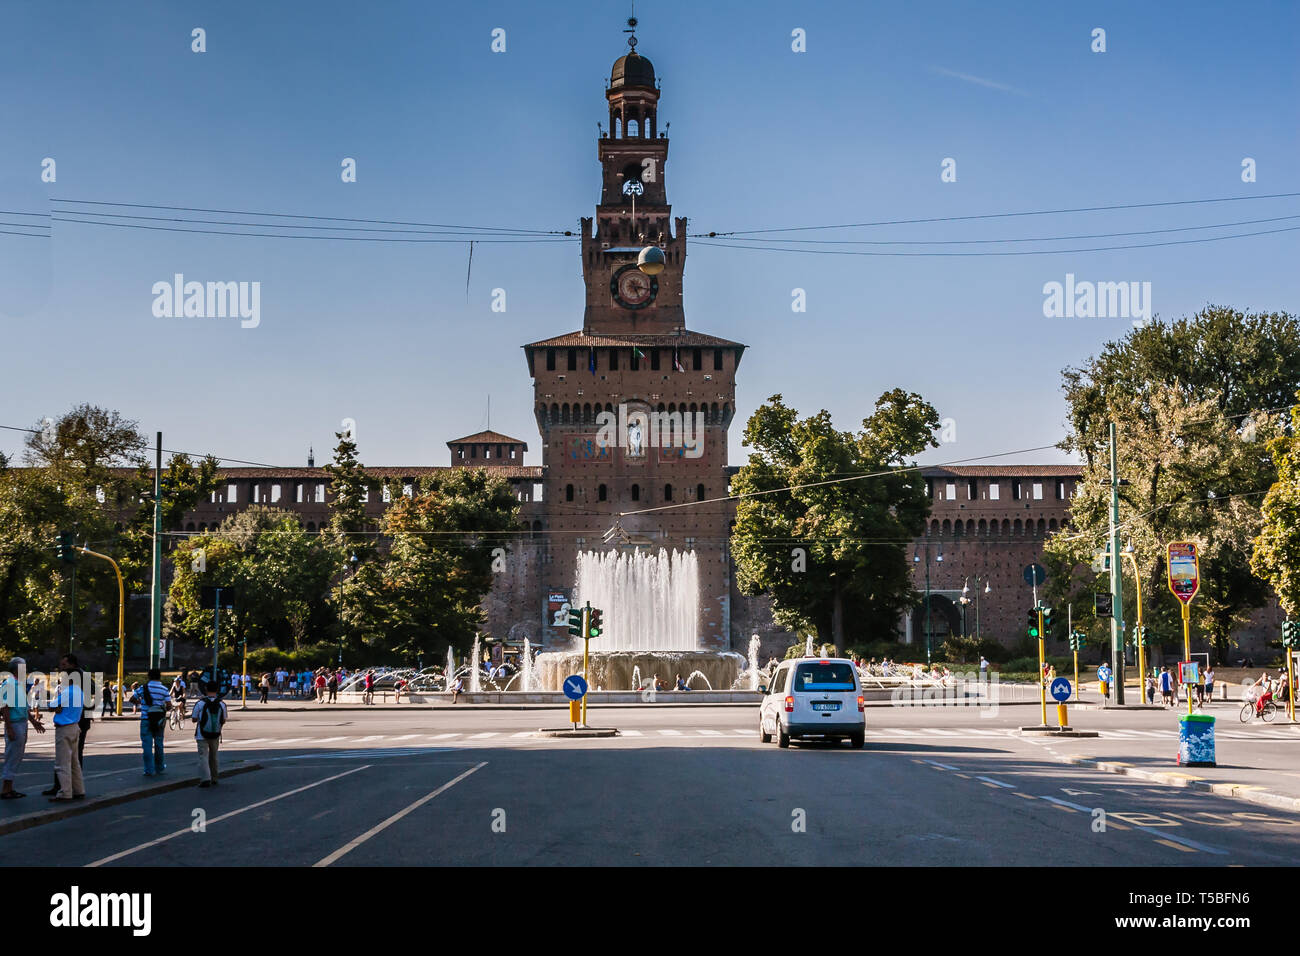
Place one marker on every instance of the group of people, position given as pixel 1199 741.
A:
pixel 23 704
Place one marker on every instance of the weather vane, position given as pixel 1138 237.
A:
pixel 631 30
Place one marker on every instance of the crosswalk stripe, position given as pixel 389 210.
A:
pixel 291 740
pixel 326 740
pixel 523 733
pixel 631 733
pixel 742 731
pixel 484 735
pixel 898 732
pixel 671 733
pixel 709 733
pixel 371 737
pixel 408 736
pixel 944 733
pixel 443 736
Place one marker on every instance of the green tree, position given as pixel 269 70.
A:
pixel 1193 402
pixel 824 548
pixel 425 592
pixel 1276 556
pixel 349 486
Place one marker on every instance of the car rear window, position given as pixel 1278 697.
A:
pixel 835 675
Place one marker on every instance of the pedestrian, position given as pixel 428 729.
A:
pixel 984 667
pixel 69 707
pixel 265 687
pixel 279 683
pixel 16 713
pixel 154 701
pixel 321 681
pixel 209 717
pixel 106 704
pixel 332 685
pixel 368 697
pixel 1150 684
pixel 1209 684
pixel 1166 687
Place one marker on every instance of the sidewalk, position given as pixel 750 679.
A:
pixel 35 810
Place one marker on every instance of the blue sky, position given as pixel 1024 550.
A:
pixel 444 130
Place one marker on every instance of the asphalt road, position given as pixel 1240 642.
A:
pixel 683 784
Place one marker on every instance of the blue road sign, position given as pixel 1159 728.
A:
pixel 1035 574
pixel 1060 690
pixel 575 687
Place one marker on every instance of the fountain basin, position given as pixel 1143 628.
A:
pixel 613 670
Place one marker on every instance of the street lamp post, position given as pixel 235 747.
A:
pixel 916 559
pixel 964 601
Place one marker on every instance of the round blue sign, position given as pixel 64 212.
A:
pixel 575 687
pixel 1060 690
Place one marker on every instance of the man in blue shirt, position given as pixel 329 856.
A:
pixel 154 701
pixel 16 717
pixel 67 705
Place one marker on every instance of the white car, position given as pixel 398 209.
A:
pixel 814 698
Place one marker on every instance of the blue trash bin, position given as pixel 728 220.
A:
pixel 1196 740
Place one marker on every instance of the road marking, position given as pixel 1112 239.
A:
pixel 523 733
pixel 709 733
pixel 945 766
pixel 897 732
pixel 631 733
pixel 997 783
pixel 1065 805
pixel 483 736
pixel 408 736
pixel 671 733
pixel 291 740
pixel 326 740
pixel 742 731
pixel 1025 795
pixel 226 816
pixel 444 736
pixel 353 844
pixel 964 776
pixel 944 733
pixel 1171 843
pixel 362 740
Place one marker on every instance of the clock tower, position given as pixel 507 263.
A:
pixel 633 212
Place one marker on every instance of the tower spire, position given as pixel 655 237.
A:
pixel 631 29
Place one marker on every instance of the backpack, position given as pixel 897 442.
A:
pixel 155 714
pixel 210 719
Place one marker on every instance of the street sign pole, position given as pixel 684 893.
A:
pixel 1042 671
pixel 586 647
pixel 1116 579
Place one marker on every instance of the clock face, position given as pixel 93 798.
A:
pixel 632 288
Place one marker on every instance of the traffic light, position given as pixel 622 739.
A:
pixel 1141 631
pixel 575 622
pixel 1078 639
pixel 65 550
pixel 1047 622
pixel 595 623
pixel 111 646
pixel 1290 634
pixel 1032 619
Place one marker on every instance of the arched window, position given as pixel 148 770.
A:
pixel 1018 527
pixel 636 492
pixel 568 492
pixel 311 526
pixel 633 130
pixel 668 492
pixel 983 526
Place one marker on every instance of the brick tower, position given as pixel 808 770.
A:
pixel 634 364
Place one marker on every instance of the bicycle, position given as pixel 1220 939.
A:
pixel 176 718
pixel 1267 712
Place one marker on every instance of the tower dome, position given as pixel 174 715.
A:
pixel 632 70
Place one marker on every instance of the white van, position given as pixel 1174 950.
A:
pixel 814 698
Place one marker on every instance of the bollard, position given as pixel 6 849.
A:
pixel 1061 717
pixel 1105 689
pixel 575 712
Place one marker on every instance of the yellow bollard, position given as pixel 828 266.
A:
pixel 575 711
pixel 1061 718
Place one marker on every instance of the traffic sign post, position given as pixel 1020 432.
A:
pixel 1184 581
pixel 1061 693
pixel 575 688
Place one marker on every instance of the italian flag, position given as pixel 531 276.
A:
pixel 638 354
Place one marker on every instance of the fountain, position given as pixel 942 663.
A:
pixel 475 672
pixel 753 662
pixel 526 666
pixel 651 605
pixel 807 647
pixel 450 673
pixel 695 674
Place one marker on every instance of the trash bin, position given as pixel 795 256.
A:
pixel 1196 740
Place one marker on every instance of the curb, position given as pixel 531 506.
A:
pixel 41 817
pixel 588 732
pixel 1250 794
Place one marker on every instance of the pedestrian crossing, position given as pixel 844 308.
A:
pixel 409 740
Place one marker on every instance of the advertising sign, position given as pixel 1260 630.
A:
pixel 557 614
pixel 1184 570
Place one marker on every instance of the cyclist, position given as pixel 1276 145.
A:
pixel 1264 691
pixel 177 694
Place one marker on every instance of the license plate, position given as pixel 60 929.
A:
pixel 826 705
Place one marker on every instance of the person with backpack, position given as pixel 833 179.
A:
pixel 265 687
pixel 209 716
pixel 154 701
